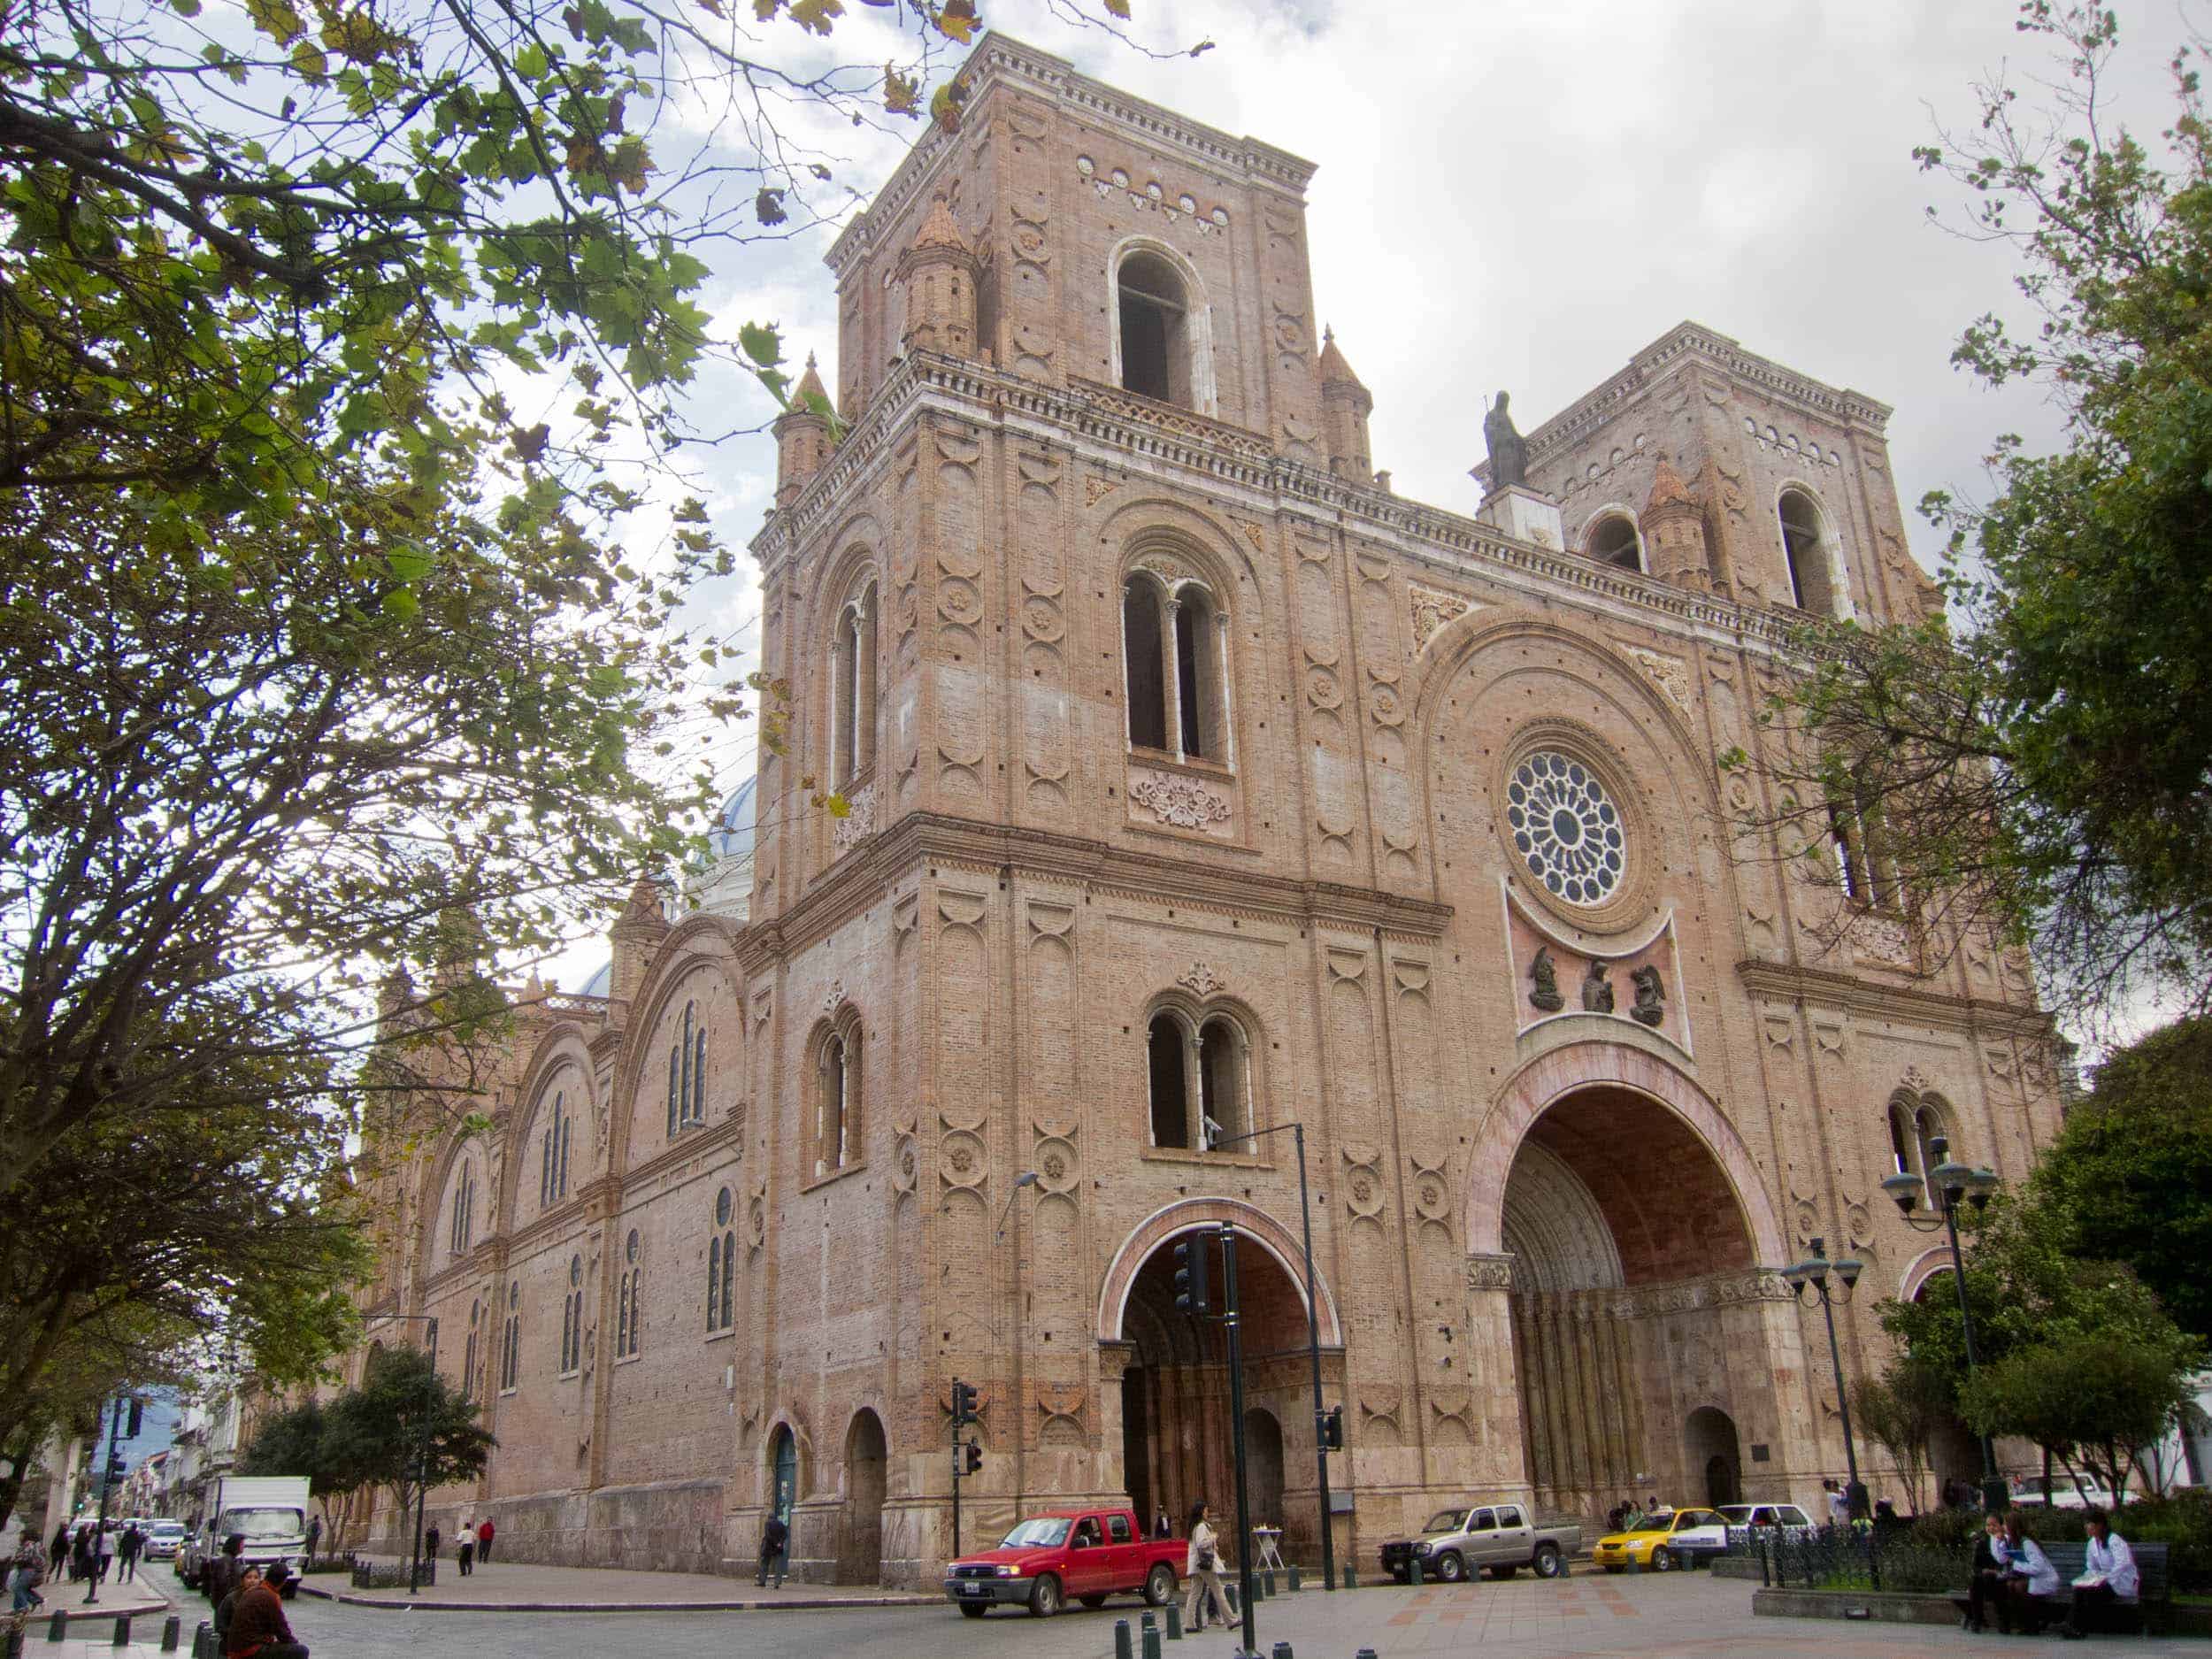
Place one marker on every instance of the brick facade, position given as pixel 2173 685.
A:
pixel 1544 1230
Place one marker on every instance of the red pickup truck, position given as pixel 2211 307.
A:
pixel 1083 1554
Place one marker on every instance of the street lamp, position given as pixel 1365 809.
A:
pixel 1813 1274
pixel 1954 1184
pixel 1313 1350
pixel 422 1463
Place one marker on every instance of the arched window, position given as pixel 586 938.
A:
pixel 1805 547
pixel 461 1227
pixel 853 688
pixel 511 1343
pixel 1221 1082
pixel 1914 1123
pixel 688 1074
pixel 468 1356
pixel 1174 663
pixel 837 1109
pixel 553 1153
pixel 1153 309
pixel 1612 541
pixel 1865 870
pixel 1171 1093
pixel 630 1315
pixel 572 1318
pixel 721 1263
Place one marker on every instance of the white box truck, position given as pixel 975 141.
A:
pixel 269 1511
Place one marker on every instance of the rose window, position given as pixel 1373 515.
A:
pixel 1565 827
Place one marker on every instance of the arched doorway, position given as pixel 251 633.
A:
pixel 1711 1446
pixel 1175 1415
pixel 1954 1456
pixel 783 1477
pixel 1631 1259
pixel 867 1459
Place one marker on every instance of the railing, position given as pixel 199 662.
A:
pixel 1851 1558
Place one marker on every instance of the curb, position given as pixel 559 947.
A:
pixel 789 1604
pixel 81 1615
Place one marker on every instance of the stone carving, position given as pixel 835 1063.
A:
pixel 1917 1080
pixel 1432 610
pixel 1379 1403
pixel 1183 802
pixel 1041 618
pixel 858 823
pixel 1543 978
pixel 963 1160
pixel 1508 450
pixel 1061 1401
pixel 834 998
pixel 907 1165
pixel 1202 980
pixel 1671 674
pixel 1254 533
pixel 1096 489
pixel 1056 1165
pixel 1882 939
pixel 1322 690
pixel 1597 990
pixel 1385 707
pixel 1489 1273
pixel 1651 996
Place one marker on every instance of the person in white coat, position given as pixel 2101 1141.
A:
pixel 2109 1581
pixel 2030 1584
pixel 1202 1565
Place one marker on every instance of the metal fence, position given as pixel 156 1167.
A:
pixel 1854 1558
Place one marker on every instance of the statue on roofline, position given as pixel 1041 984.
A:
pixel 1508 450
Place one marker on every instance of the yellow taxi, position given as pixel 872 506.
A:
pixel 1645 1546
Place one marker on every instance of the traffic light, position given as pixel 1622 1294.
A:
pixel 1333 1429
pixel 137 1418
pixel 963 1404
pixel 974 1458
pixel 1191 1275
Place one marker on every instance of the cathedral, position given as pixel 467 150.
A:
pixel 1203 789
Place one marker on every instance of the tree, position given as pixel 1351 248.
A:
pixel 2131 1169
pixel 298 1441
pixel 2091 1397
pixel 2045 779
pixel 375 1434
pixel 1900 1410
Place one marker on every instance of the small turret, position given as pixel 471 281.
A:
pixel 635 934
pixel 1345 407
pixel 939 272
pixel 802 437
pixel 1673 523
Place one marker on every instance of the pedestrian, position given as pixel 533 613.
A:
pixel 84 1557
pixel 774 1535
pixel 2031 1582
pixel 219 1576
pixel 430 1542
pixel 128 1549
pixel 1162 1528
pixel 1839 1505
pixel 226 1609
pixel 484 1542
pixel 58 1550
pixel 465 1551
pixel 258 1629
pixel 106 1545
pixel 2109 1582
pixel 314 1535
pixel 25 1575
pixel 1202 1565
pixel 1993 1563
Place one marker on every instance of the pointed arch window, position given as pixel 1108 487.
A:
pixel 572 1318
pixel 721 1263
pixel 1807 548
pixel 1175 668
pixel 553 1153
pixel 688 1074
pixel 853 688
pixel 468 1356
pixel 510 1340
pixel 461 1227
pixel 629 1330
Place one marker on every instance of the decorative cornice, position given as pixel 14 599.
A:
pixel 1941 1009
pixel 1685 340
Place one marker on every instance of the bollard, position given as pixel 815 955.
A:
pixel 122 1631
pixel 1282 1650
pixel 1175 1621
pixel 1417 1571
pixel 1364 1653
pixel 1293 1578
pixel 204 1641
pixel 58 1626
pixel 1351 1580
pixel 172 1629
pixel 1121 1639
pixel 1151 1638
pixel 15 1641
pixel 1269 1575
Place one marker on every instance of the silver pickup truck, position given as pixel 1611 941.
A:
pixel 1457 1543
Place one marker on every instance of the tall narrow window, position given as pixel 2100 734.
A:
pixel 560 1162
pixel 853 688
pixel 675 1076
pixel 729 1278
pixel 720 1263
pixel 1805 547
pixel 836 1082
pixel 461 1231
pixel 1913 1128
pixel 1155 329
pixel 631 1314
pixel 1221 1082
pixel 511 1345
pixel 699 1078
pixel 1843 845
pixel 1144 662
pixel 545 1166
pixel 468 1356
pixel 1170 1099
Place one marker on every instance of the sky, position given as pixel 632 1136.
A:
pixel 1521 196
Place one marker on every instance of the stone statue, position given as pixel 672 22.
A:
pixel 1597 990
pixel 1651 997
pixel 1508 450
pixel 1544 983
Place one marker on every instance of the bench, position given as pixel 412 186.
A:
pixel 2153 1607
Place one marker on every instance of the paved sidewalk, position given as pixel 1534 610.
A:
pixel 520 1586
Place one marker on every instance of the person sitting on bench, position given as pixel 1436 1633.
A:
pixel 2032 1583
pixel 2111 1583
pixel 1992 1556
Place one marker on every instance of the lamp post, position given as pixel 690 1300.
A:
pixel 1813 1274
pixel 1953 1183
pixel 1313 1350
pixel 422 1453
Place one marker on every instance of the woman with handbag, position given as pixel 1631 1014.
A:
pixel 1203 1567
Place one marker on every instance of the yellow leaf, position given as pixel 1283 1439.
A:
pixel 815 14
pixel 899 92
pixel 956 18
pixel 310 59
pixel 1119 8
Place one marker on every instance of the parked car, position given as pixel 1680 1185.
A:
pixel 2068 1492
pixel 1457 1543
pixel 162 1539
pixel 1084 1555
pixel 1733 1523
pixel 1652 1544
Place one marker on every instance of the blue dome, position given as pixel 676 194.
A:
pixel 731 836
pixel 601 982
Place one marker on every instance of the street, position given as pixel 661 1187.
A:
pixel 1648 1616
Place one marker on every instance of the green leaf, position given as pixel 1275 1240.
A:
pixel 401 602
pixel 762 342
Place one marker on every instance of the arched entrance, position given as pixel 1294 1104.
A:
pixel 783 1466
pixel 1175 1417
pixel 1711 1445
pixel 1954 1456
pixel 1634 1305
pixel 867 1458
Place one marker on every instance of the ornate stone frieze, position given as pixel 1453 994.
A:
pixel 1185 802
pixel 1201 980
pixel 1489 1273
pixel 858 823
pixel 1432 610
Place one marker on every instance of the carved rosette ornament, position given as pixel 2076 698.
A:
pixel 1202 980
pixel 1184 803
